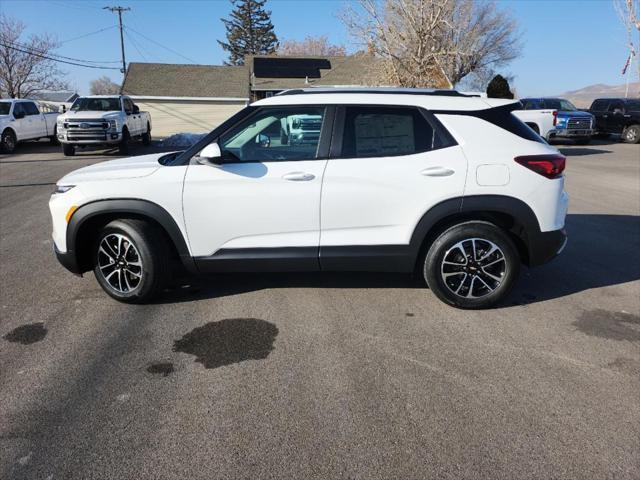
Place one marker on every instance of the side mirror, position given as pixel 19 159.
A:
pixel 19 115
pixel 136 109
pixel 263 140
pixel 210 154
pixel 62 109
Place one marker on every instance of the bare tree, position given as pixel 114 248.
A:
pixel 629 13
pixel 24 66
pixel 312 46
pixel 433 42
pixel 103 86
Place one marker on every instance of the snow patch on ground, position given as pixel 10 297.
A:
pixel 182 139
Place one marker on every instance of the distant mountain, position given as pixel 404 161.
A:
pixel 582 98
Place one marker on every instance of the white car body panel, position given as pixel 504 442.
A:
pixel 30 127
pixel 543 119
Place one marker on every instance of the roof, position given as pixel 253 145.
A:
pixel 178 80
pixel 379 90
pixel 349 70
pixel 62 96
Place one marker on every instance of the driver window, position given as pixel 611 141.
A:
pixel 275 134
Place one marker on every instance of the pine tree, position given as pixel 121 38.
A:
pixel 249 31
pixel 499 88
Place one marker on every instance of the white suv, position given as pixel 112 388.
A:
pixel 449 186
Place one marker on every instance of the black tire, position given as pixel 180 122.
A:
pixel 146 137
pixel 149 248
pixel 68 149
pixel 124 143
pixel 582 141
pixel 446 246
pixel 631 134
pixel 53 139
pixel 8 141
pixel 602 135
pixel 534 127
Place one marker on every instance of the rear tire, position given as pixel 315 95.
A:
pixel 8 141
pixel 131 260
pixel 146 137
pixel 472 265
pixel 124 143
pixel 631 134
pixel 68 149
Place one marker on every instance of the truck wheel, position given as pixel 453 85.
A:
pixel 146 137
pixel 8 141
pixel 68 149
pixel 582 141
pixel 631 134
pixel 132 261
pixel 124 143
pixel 53 139
pixel 472 265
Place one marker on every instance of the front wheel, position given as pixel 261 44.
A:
pixel 131 262
pixel 68 149
pixel 582 141
pixel 472 265
pixel 124 143
pixel 8 141
pixel 146 137
pixel 631 134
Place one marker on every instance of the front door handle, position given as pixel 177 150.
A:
pixel 299 177
pixel 437 172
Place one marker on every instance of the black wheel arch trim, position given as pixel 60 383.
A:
pixel 144 208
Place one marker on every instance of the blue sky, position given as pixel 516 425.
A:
pixel 568 44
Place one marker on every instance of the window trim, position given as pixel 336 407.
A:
pixel 340 119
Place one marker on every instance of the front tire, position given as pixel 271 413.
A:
pixel 131 260
pixel 124 143
pixel 472 265
pixel 146 137
pixel 8 141
pixel 631 134
pixel 53 139
pixel 68 149
pixel 583 141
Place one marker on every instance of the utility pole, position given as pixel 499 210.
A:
pixel 120 10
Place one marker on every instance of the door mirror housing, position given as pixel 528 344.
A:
pixel 136 109
pixel 62 109
pixel 210 154
pixel 263 140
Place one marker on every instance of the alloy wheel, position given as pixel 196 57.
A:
pixel 473 268
pixel 120 263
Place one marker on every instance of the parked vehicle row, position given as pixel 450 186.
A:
pixel 453 188
pixel 22 120
pixel 619 116
pixel 568 121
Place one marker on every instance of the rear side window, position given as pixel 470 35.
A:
pixel 531 104
pixel 616 106
pixel 380 131
pixel 600 105
pixel 30 108
pixel 633 105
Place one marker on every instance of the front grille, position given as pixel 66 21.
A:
pixel 310 126
pixel 579 124
pixel 75 134
pixel 86 129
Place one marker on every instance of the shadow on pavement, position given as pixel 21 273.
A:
pixel 602 251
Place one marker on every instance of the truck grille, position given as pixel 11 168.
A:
pixel 81 129
pixel 579 124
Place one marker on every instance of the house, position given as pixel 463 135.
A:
pixel 59 97
pixel 186 98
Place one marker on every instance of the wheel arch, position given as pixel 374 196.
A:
pixel 15 135
pixel 89 218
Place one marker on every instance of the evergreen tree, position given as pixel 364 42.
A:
pixel 249 31
pixel 499 88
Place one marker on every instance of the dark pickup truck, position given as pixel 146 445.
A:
pixel 617 115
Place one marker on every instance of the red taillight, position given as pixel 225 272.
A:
pixel 555 118
pixel 550 166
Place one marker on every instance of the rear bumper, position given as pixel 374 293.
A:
pixel 546 246
pixel 67 260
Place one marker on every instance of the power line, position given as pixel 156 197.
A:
pixel 88 34
pixel 159 44
pixel 133 42
pixel 57 59
pixel 44 52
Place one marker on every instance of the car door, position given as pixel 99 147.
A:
pixel 258 206
pixel 37 126
pixel 21 123
pixel 389 165
pixel 615 117
pixel 132 118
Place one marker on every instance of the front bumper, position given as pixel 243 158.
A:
pixel 571 133
pixel 546 246
pixel 68 260
pixel 110 138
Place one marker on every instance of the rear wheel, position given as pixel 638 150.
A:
pixel 146 137
pixel 472 265
pixel 68 149
pixel 132 261
pixel 8 141
pixel 631 134
pixel 124 143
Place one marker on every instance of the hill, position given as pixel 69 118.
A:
pixel 583 97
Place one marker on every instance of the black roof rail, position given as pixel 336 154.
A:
pixel 379 90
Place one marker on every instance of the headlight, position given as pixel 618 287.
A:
pixel 113 125
pixel 62 188
pixel 60 124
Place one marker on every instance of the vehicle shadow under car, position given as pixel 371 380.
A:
pixel 601 251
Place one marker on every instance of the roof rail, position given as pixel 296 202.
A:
pixel 377 90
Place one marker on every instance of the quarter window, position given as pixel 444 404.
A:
pixel 385 132
pixel 275 134
pixel 18 108
pixel 600 105
pixel 30 108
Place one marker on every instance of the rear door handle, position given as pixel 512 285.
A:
pixel 299 177
pixel 437 172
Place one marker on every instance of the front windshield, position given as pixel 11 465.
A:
pixel 96 104
pixel 4 108
pixel 559 104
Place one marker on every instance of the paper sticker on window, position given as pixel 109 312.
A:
pixel 384 135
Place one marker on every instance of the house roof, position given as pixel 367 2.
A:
pixel 177 80
pixel 62 96
pixel 342 71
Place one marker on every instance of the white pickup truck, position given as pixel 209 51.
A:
pixel 543 122
pixel 103 120
pixel 22 120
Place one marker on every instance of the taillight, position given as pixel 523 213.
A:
pixel 550 166
pixel 555 118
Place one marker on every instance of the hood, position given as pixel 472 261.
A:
pixel 574 113
pixel 91 114
pixel 133 167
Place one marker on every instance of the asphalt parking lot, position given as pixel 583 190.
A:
pixel 324 376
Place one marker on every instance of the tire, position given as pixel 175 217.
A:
pixel 54 138
pixel 534 127
pixel 497 271
pixel 131 260
pixel 582 141
pixel 631 134
pixel 68 149
pixel 124 143
pixel 146 137
pixel 8 141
